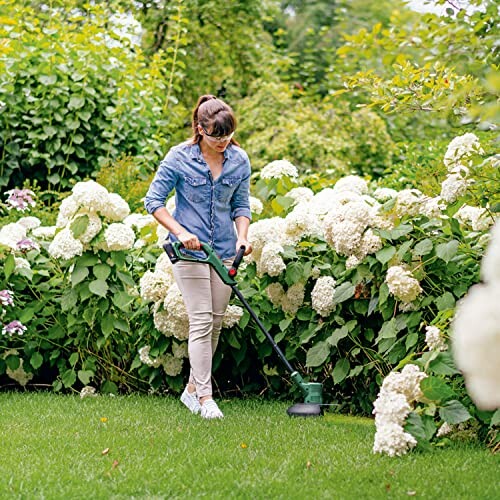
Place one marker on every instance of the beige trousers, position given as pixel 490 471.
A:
pixel 206 298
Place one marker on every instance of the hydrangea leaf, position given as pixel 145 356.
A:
pixel 318 353
pixel 98 287
pixel 454 412
pixel 447 251
pixel 341 370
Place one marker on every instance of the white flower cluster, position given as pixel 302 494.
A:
pixel 256 205
pixel 290 301
pixel 412 203
pixel 279 168
pixel 172 364
pixel 88 392
pixel 300 194
pixel 232 316
pixel 434 339
pixel 461 148
pixel 102 210
pixel 402 284
pixel 475 217
pixel 391 408
pixel 476 331
pixel 322 295
pixel 11 234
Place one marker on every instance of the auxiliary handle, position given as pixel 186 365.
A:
pixel 175 255
pixel 237 261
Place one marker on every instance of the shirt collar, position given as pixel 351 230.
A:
pixel 196 152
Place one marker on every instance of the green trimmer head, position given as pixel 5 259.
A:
pixel 312 391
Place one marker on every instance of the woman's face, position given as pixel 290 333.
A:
pixel 218 144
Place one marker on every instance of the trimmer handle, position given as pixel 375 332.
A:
pixel 237 261
pixel 174 253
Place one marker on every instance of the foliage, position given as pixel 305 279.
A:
pixel 314 136
pixel 412 78
pixel 126 177
pixel 69 91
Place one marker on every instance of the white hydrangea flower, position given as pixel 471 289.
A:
pixel 67 210
pixel 453 187
pixel 162 234
pixel 279 168
pixel 170 206
pixel 91 195
pixel 88 391
pixel 476 217
pixel 44 232
pixel 409 202
pixel 351 262
pixel 172 365
pixel 163 265
pixel 293 298
pixel 256 205
pixel 29 222
pixel 300 195
pixel 94 227
pixel 232 316
pixel 402 284
pixel 322 295
pixel 65 246
pixel 344 226
pixel 434 339
pixel 433 207
pixel 391 407
pixel 444 430
pixel 180 350
pixel 140 221
pixel 392 440
pixel 161 319
pixel 462 147
pixel 11 234
pixel 406 382
pixel 21 263
pixel 275 292
pixel 369 244
pixel 384 194
pixel 301 222
pixel 177 316
pixel 352 183
pixel 271 262
pixel 476 343
pixel 154 285
pixel 146 358
pixel 490 265
pixel 118 236
pixel 116 209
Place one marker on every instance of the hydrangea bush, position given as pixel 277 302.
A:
pixel 358 283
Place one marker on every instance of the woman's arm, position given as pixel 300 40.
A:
pixel 242 224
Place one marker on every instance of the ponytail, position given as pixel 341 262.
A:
pixel 212 113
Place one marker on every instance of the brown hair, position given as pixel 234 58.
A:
pixel 215 116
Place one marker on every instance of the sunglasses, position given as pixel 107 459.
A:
pixel 220 138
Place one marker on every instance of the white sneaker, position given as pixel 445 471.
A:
pixel 209 409
pixel 191 401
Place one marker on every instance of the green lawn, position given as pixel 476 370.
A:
pixel 151 447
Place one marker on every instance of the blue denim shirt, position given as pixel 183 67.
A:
pixel 204 206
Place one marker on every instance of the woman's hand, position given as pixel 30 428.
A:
pixel 244 242
pixel 189 240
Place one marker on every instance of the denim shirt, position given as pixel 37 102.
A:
pixel 204 206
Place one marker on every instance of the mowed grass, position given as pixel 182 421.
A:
pixel 137 446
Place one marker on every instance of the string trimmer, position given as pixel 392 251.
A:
pixel 312 391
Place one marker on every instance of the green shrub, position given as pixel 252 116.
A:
pixel 75 95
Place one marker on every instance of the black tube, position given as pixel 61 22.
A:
pixel 263 328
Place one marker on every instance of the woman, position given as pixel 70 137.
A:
pixel 211 177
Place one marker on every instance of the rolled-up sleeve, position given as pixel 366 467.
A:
pixel 240 202
pixel 163 183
